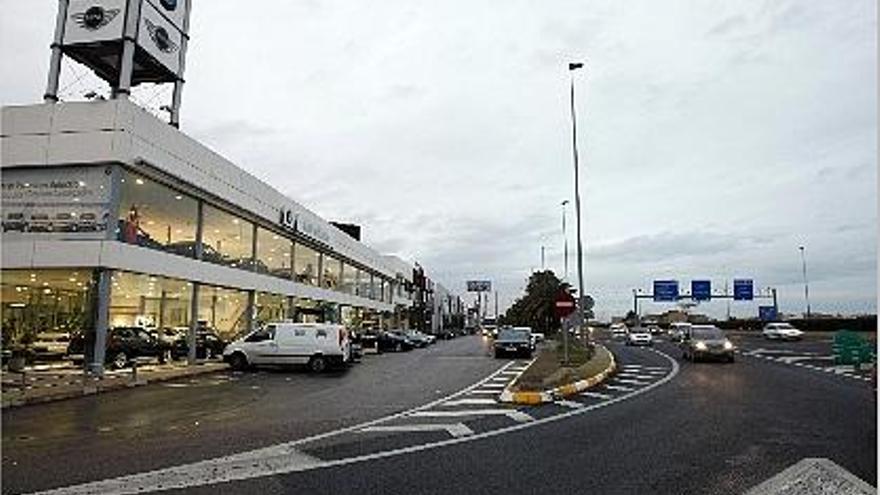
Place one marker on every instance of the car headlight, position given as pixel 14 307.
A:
pixel 728 345
pixel 700 346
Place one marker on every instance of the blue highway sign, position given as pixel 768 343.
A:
pixel 665 290
pixel 743 289
pixel 767 313
pixel 701 290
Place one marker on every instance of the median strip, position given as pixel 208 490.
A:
pixel 594 371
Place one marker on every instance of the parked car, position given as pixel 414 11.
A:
pixel 654 330
pixel 516 341
pixel 391 341
pixel 170 335
pixel 418 338
pixel 88 222
pixel 317 345
pixel 618 331
pixel 639 336
pixel 124 344
pixel 677 331
pixel 539 337
pixel 706 341
pixel 15 221
pixel 781 331
pixel 65 222
pixel 39 222
pixel 208 345
pixel 51 345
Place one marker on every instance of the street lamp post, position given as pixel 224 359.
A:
pixel 577 201
pixel 806 283
pixel 564 243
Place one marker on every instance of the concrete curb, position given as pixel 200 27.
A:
pixel 91 386
pixel 531 398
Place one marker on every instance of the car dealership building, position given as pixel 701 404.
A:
pixel 111 217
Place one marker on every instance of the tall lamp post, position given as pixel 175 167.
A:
pixel 564 243
pixel 577 202
pixel 806 283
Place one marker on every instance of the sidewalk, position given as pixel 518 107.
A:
pixel 50 383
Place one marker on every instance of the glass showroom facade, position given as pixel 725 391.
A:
pixel 59 304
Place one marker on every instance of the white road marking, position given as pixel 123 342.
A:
pixel 510 413
pixel 494 385
pixel 284 458
pixel 630 382
pixel 635 376
pixel 483 391
pixel 596 395
pixel 569 404
pixel 175 385
pixel 468 402
pixel 617 387
pixel 454 429
pixel 793 359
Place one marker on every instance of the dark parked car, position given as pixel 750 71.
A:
pixel 209 345
pixel 125 344
pixel 516 341
pixel 417 338
pixel 390 341
pixel 445 334
pixel 706 341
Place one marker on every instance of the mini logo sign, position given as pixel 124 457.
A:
pixel 95 17
pixel 170 5
pixel 288 218
pixel 160 37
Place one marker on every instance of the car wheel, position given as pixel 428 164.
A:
pixel 165 356
pixel 120 360
pixel 731 359
pixel 317 364
pixel 238 362
pixel 398 347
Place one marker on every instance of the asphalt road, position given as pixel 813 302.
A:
pixel 691 428
pixel 160 425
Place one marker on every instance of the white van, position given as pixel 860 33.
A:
pixel 318 345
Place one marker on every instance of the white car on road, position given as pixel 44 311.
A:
pixel 781 331
pixel 639 336
pixel 618 330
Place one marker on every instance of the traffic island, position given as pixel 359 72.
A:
pixel 549 379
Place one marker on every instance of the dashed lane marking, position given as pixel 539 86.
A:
pixel 454 429
pixel 618 387
pixel 596 395
pixel 469 402
pixel 569 404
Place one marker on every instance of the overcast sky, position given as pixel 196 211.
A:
pixel 716 136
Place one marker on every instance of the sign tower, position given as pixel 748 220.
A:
pixel 124 42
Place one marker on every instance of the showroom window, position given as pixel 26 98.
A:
pixel 349 279
pixel 332 272
pixel 155 216
pixel 274 254
pixel 224 311
pixel 149 301
pixel 43 309
pixel 389 287
pixel 376 287
pixel 226 238
pixel 270 308
pixel 306 262
pixel 364 284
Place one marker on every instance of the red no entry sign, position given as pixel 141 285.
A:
pixel 564 305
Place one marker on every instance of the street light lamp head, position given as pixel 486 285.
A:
pixel 575 65
pixel 564 202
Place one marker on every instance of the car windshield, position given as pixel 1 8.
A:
pixel 513 334
pixel 707 334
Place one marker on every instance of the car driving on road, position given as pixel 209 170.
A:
pixel 514 341
pixel 781 331
pixel 618 330
pixel 677 331
pixel 706 341
pixel 639 336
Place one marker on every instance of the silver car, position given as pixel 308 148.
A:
pixel 705 342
